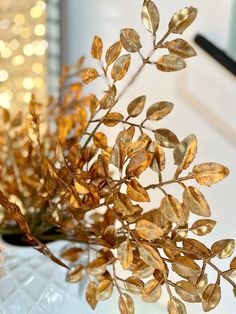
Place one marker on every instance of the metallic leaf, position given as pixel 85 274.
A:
pixel 120 67
pixel 150 16
pixel 113 52
pixel 175 306
pixel 196 249
pixel 75 274
pixel 143 270
pixel 159 110
pixel 72 254
pixel 123 205
pixel 188 292
pixel 138 164
pixel 159 159
pixel 211 297
pixel 210 173
pixel 136 192
pixel 196 202
pixel 100 140
pixel 170 63
pixel 185 267
pixel 89 75
pixel 112 119
pixel 182 20
pixel 148 230
pixel 203 226
pixel 91 294
pixel 97 46
pixel 166 138
pixel 181 48
pixel 130 40
pixel 174 211
pixel 118 155
pixel 151 257
pixel 126 304
pixel 134 285
pixel 97 266
pixel 152 291
pixel 136 106
pixel 125 254
pixel 104 290
pixel 135 148
pixel 223 248
pixel 108 99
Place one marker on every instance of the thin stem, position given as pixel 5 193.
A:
pixel 154 186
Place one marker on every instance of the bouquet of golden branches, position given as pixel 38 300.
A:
pixel 61 178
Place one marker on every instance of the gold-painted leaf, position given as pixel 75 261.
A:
pixel 117 157
pixel 196 249
pixel 138 164
pixel 174 211
pixel 143 270
pixel 211 297
pixel 188 292
pixel 203 226
pixel 108 100
pixel 134 285
pixel 102 166
pixel 126 304
pixel 170 63
pixel 181 48
pixel 185 152
pixel 185 267
pixel 151 257
pixel 120 67
pixel 182 20
pixel 223 248
pixel 110 236
pixel 130 40
pixel 166 138
pixel 159 110
pixel 81 187
pixel 72 254
pixel 97 266
pixel 196 202
pixel 112 119
pixel 125 254
pixel 113 52
pixel 123 205
pixel 127 135
pixel 135 148
pixel 104 290
pixel 136 192
pixel 152 291
pixel 175 306
pixel 159 159
pixel 148 230
pixel 91 294
pixel 75 274
pixel 136 106
pixel 89 75
pixel 150 16
pixel 97 46
pixel 100 140
pixel 210 173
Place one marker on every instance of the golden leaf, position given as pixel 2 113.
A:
pixel 210 173
pixel 185 267
pixel 104 290
pixel 136 192
pixel 173 211
pixel 125 254
pixel 97 46
pixel 72 254
pixel 148 231
pixel 17 120
pixel 120 67
pixel 81 187
pixel 136 106
pixel 166 138
pixel 102 166
pixel 196 202
pixel 130 40
pixel 112 119
pixel 159 110
pixel 108 99
pixel 127 135
pixel 203 226
pixel 223 248
pixel 75 274
pixel 211 297
pixel 89 75
pixel 143 270
pixel 152 291
pixel 135 148
pixel 180 47
pixel 100 140
pixel 185 152
pixel 151 257
pixel 109 235
pixel 150 16
pixel 196 249
pixel 188 292
pixel 97 266
pixel 138 164
pixel 170 63
pixel 123 205
pixel 158 160
pixel 182 20
pixel 91 294
pixel 117 157
pixel 134 285
pixel 232 271
pixel 126 304
pixel 113 52
pixel 175 306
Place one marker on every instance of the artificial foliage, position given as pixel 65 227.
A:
pixel 63 178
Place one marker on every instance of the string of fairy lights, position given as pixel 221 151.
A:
pixel 23 52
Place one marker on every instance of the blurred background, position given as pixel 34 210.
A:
pixel 37 37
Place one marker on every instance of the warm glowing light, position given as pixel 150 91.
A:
pixel 4 24
pixel 14 44
pixel 5 100
pixel 39 30
pixel 27 97
pixel 40 47
pixel 24 32
pixel 37 68
pixel 28 83
pixel 36 12
pixel 38 82
pixel 19 19
pixel 3 75
pixel 6 53
pixel 15 29
pixel 41 5
pixel 18 60
pixel 28 50
pixel 2 45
